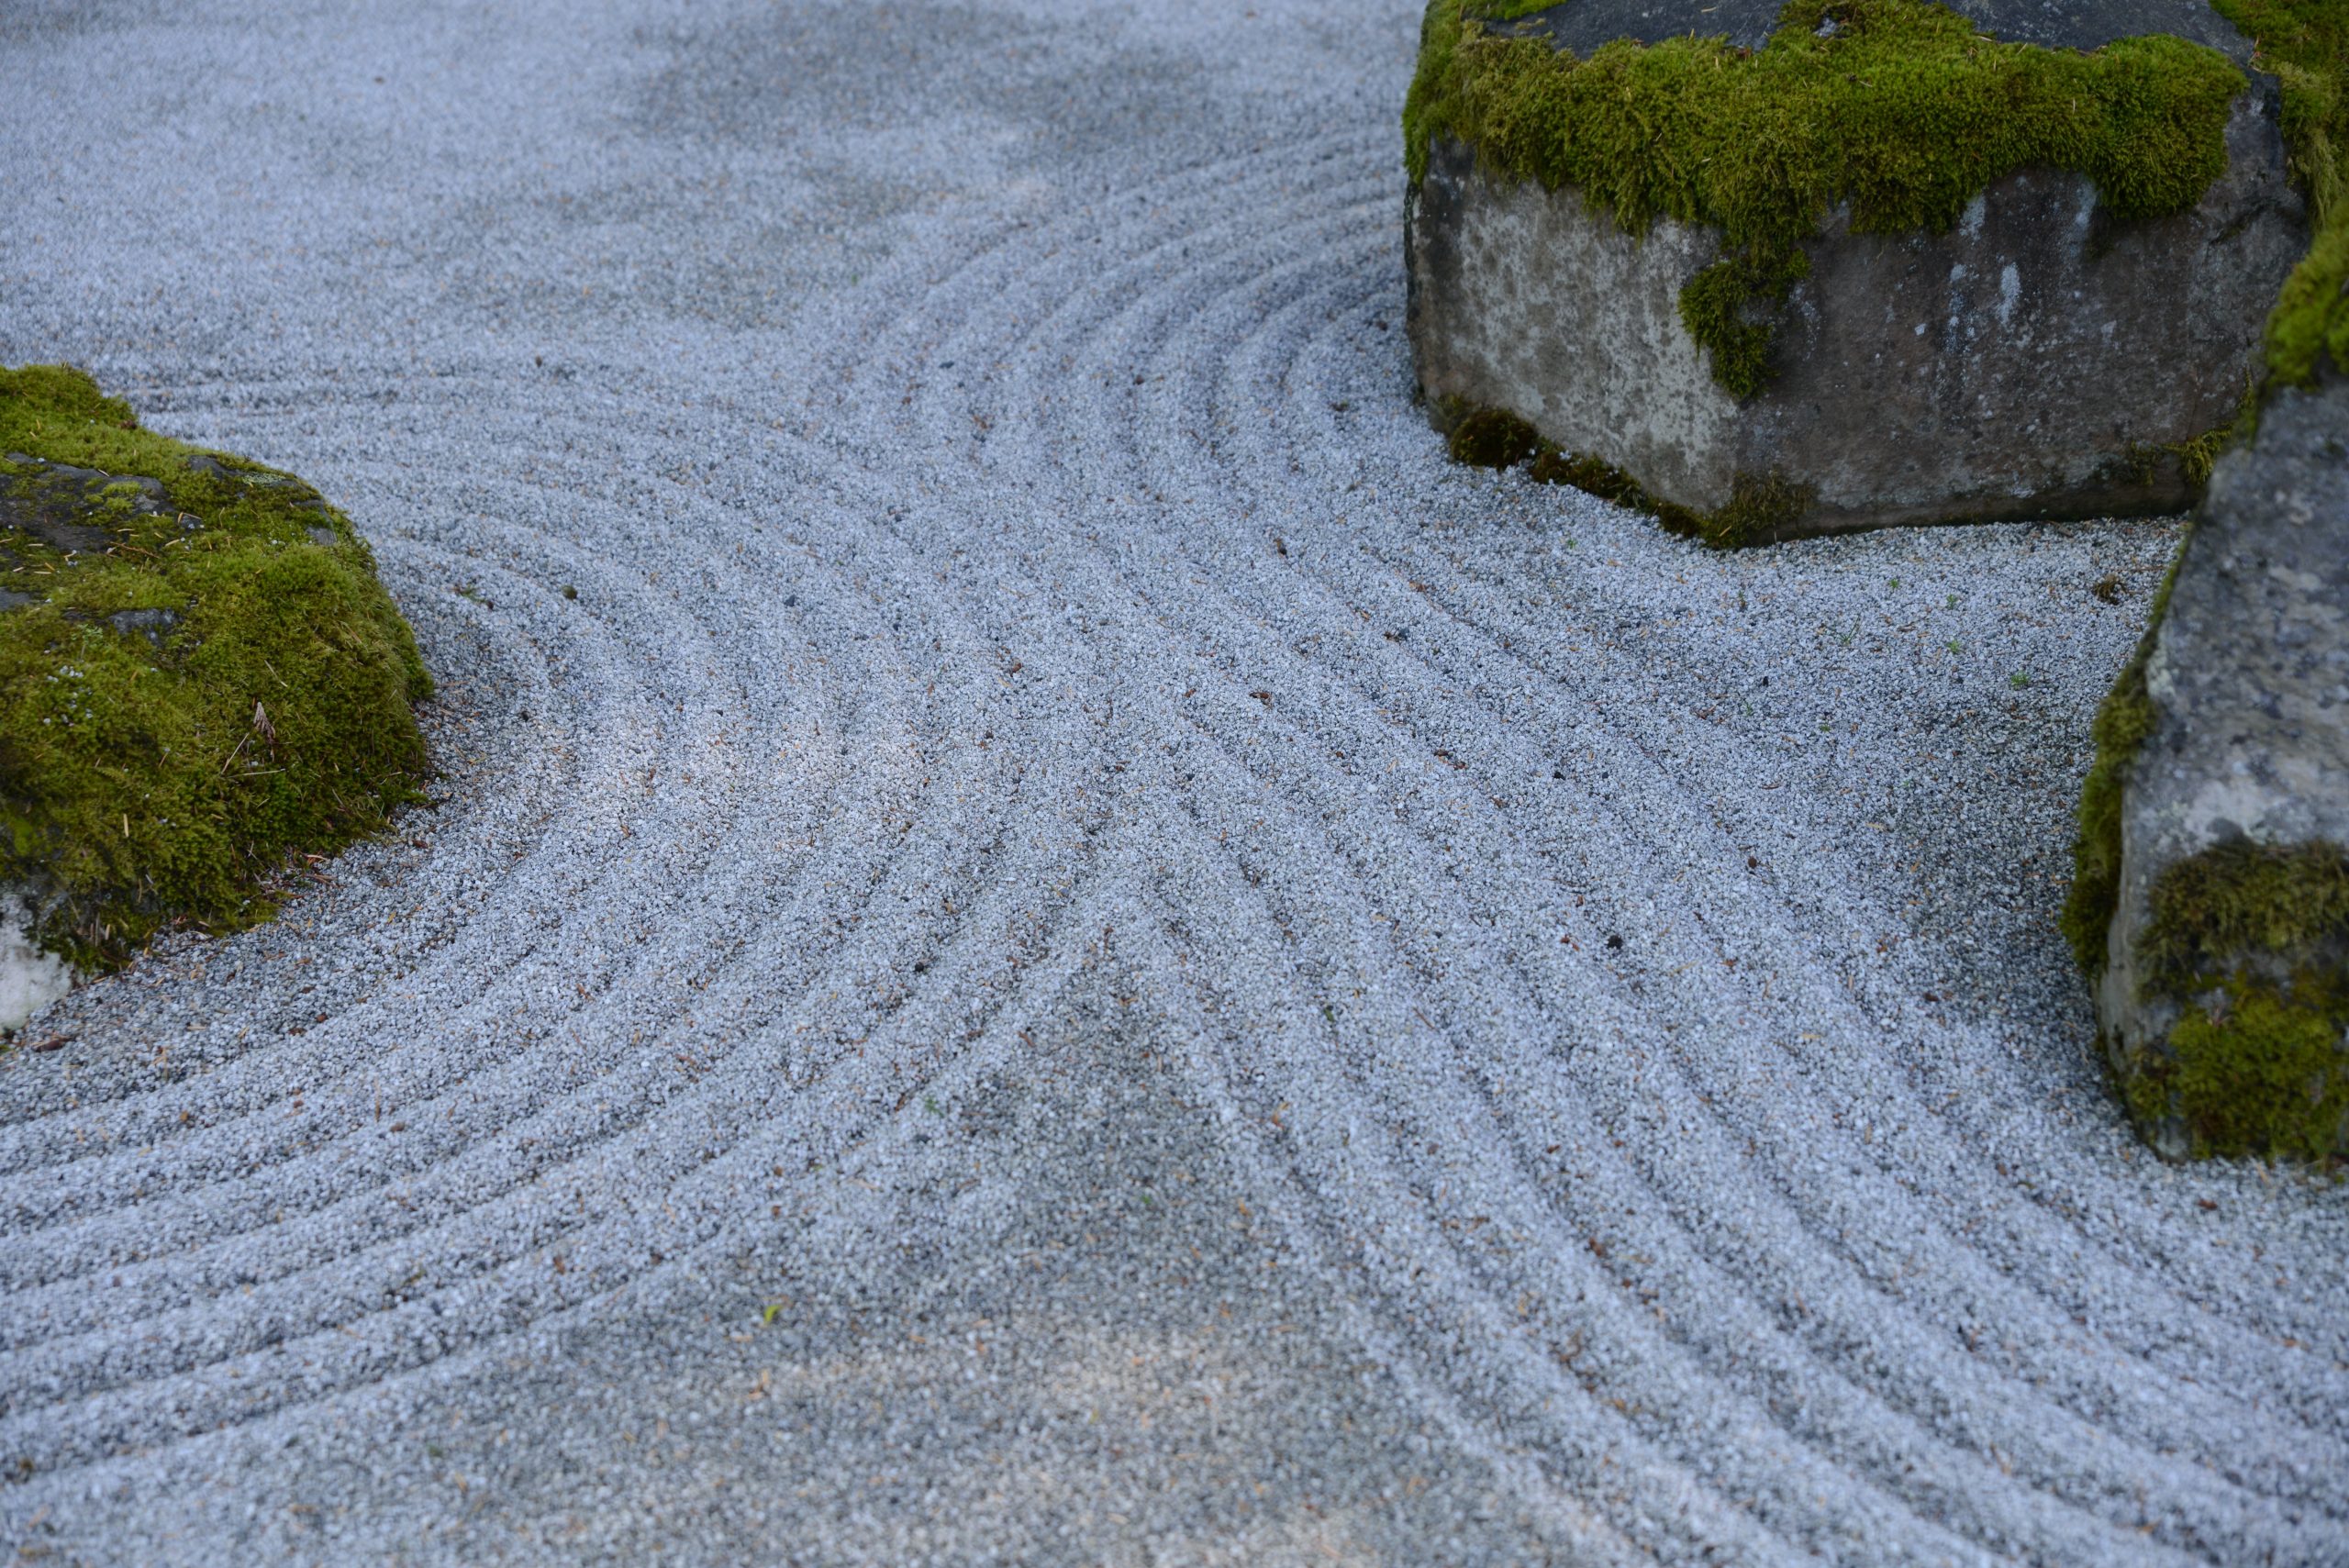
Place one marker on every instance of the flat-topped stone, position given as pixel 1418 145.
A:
pixel 2039 357
pixel 1583 26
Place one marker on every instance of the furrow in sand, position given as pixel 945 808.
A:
pixel 2121 1470
pixel 1910 1365
pixel 1644 719
pixel 451 1197
pixel 944 625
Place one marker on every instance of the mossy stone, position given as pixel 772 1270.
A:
pixel 2211 902
pixel 200 676
pixel 2212 932
pixel 1893 264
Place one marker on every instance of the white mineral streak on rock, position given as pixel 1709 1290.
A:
pixel 30 978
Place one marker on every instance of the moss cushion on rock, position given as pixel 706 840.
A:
pixel 199 675
pixel 1892 265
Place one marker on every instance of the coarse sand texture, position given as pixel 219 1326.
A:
pixel 1040 935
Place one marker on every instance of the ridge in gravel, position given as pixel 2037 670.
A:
pixel 1043 938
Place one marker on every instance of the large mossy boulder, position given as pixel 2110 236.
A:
pixel 199 677
pixel 2209 905
pixel 1785 269
pixel 2211 911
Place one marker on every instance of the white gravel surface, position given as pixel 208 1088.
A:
pixel 1073 950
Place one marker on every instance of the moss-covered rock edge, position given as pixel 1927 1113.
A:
pixel 2253 938
pixel 2123 721
pixel 2306 44
pixel 2236 1070
pixel 264 708
pixel 1762 507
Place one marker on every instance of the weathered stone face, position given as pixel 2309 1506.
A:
pixel 30 979
pixel 2249 681
pixel 2031 362
pixel 1523 300
pixel 2250 667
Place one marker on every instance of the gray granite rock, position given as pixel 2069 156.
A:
pixel 2023 365
pixel 2249 679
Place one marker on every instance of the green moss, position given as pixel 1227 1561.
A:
pixel 2197 458
pixel 1492 437
pixel 1730 307
pixel 2254 938
pixel 1761 507
pixel 2123 721
pixel 1609 482
pixel 2306 44
pixel 2255 1068
pixel 2244 898
pixel 2310 325
pixel 1905 113
pixel 208 682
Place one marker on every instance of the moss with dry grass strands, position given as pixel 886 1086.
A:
pixel 199 674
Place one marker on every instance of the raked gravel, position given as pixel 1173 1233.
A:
pixel 1073 950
